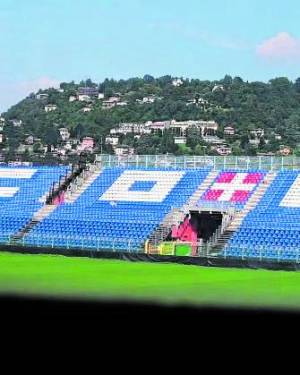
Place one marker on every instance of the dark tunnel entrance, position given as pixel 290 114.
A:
pixel 205 223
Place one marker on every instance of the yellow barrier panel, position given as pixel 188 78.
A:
pixel 167 248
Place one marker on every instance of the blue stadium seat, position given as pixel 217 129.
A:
pixel 21 189
pixel 272 229
pixel 119 210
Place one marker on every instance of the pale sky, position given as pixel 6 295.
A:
pixel 44 42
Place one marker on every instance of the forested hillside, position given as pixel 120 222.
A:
pixel 245 106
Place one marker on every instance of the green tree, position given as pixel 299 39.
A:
pixel 51 136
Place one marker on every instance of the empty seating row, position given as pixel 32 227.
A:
pixel 21 190
pixel 119 210
pixel 273 225
pixel 233 188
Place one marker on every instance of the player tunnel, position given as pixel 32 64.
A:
pixel 205 223
pixel 197 225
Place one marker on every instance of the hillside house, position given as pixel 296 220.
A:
pixel 124 150
pixel 149 99
pixel 64 134
pixel 91 92
pixel 198 102
pixel 205 127
pixel 86 109
pixel 41 96
pixel 17 123
pixel 180 140
pixel 122 104
pixel 29 140
pixel 84 98
pixel 254 142
pixel 68 146
pixel 111 102
pixel 87 144
pixel 229 130
pixel 114 141
pixel 23 148
pixel 50 107
pixel 158 125
pixel 218 88
pixel 177 82
pixel 284 150
pixel 223 150
pixel 257 133
pixel 211 139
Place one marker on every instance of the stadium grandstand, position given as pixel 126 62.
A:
pixel 161 206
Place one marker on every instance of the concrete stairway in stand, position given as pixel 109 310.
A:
pixel 239 216
pixel 37 217
pixel 202 188
pixel 71 197
pixel 177 215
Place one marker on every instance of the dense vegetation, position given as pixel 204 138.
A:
pixel 272 106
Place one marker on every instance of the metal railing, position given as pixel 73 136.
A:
pixel 261 253
pixel 267 163
pixel 200 249
pixel 75 242
pixel 227 220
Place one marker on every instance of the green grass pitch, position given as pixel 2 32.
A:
pixel 65 277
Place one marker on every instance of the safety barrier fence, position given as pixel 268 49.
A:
pixel 170 248
pixel 262 252
pixel 267 163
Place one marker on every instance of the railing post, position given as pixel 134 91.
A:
pixel 260 253
pixel 271 163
